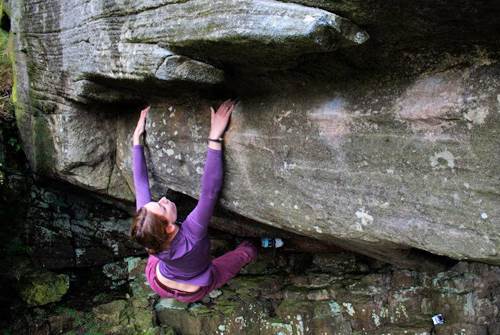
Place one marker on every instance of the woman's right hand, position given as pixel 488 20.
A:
pixel 141 126
pixel 220 119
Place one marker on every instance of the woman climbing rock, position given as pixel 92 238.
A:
pixel 179 264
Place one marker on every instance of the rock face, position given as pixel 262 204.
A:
pixel 336 293
pixel 381 145
pixel 401 302
pixel 65 230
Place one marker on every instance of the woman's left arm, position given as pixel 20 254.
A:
pixel 196 223
pixel 139 168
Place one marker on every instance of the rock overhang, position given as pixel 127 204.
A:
pixel 372 172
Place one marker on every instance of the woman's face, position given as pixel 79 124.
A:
pixel 163 208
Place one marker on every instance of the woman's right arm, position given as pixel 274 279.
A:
pixel 139 168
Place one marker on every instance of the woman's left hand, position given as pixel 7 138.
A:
pixel 220 119
pixel 141 126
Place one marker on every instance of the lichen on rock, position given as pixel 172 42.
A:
pixel 42 288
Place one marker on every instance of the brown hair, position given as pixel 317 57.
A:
pixel 148 229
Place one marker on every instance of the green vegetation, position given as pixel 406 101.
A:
pixel 4 38
pixel 5 73
pixel 4 58
pixel 6 108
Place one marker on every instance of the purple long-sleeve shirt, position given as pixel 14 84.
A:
pixel 188 258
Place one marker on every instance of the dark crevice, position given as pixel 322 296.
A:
pixel 89 282
pixel 5 22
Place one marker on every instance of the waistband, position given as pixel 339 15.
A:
pixel 172 290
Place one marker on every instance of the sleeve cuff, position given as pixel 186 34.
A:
pixel 139 148
pixel 215 151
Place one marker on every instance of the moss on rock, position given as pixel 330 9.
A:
pixel 43 288
pixel 123 317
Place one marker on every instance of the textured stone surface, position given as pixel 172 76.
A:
pixel 381 302
pixel 361 297
pixel 382 148
pixel 65 230
pixel 246 31
pixel 412 166
pixel 41 288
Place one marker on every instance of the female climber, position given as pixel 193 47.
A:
pixel 179 264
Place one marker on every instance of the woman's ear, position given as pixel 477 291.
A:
pixel 170 228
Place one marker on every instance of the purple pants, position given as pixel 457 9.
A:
pixel 224 268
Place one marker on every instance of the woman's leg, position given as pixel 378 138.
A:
pixel 229 265
pixel 224 268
